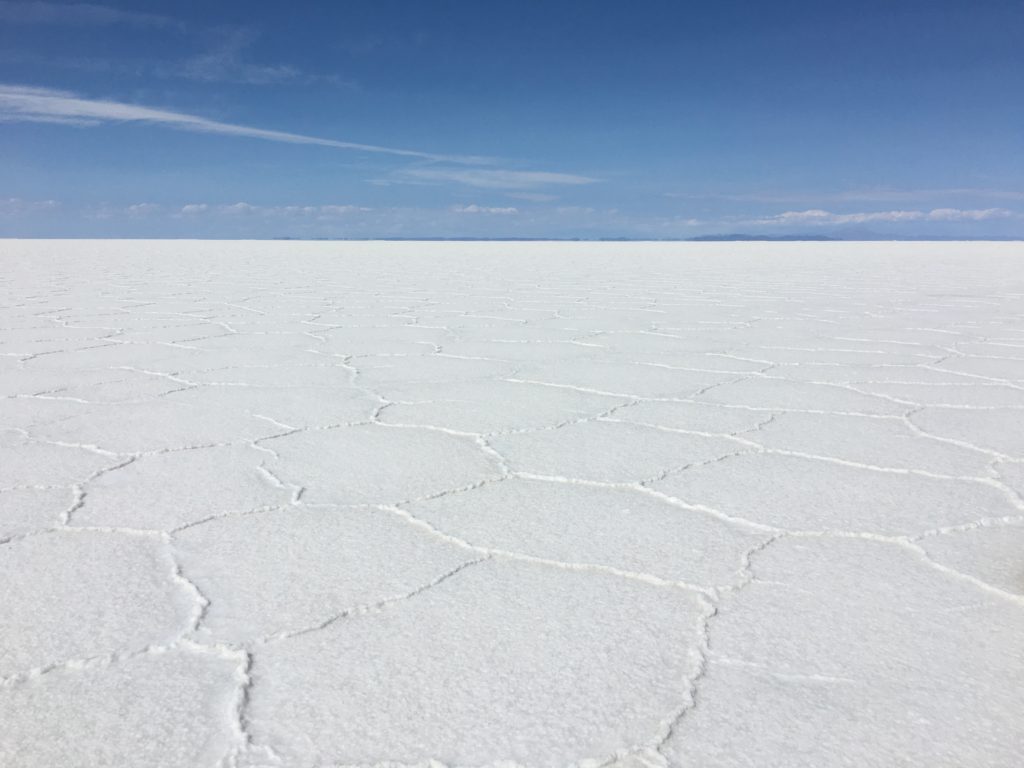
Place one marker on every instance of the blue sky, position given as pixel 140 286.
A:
pixel 523 118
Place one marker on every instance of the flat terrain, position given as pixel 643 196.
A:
pixel 346 504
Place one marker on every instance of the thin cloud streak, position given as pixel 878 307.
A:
pixel 226 62
pixel 474 208
pixel 820 217
pixel 46 105
pixel 318 212
pixel 863 196
pixel 80 14
pixel 491 179
pixel 15 206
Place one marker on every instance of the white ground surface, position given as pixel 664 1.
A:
pixel 338 504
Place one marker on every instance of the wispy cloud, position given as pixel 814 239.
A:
pixel 226 62
pixel 317 212
pixel 80 14
pixel 19 103
pixel 225 59
pixel 816 217
pixel 879 194
pixel 15 206
pixel 533 197
pixel 45 105
pixel 924 194
pixel 218 67
pixel 474 208
pixel 143 209
pixel 490 178
pixel 136 211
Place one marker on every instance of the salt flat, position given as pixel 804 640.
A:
pixel 467 504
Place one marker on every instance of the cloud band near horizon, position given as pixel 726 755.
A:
pixel 819 217
pixel 20 103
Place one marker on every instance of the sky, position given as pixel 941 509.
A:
pixel 512 118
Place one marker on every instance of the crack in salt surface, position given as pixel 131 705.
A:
pixel 373 607
pixel 689 318
pixel 488 552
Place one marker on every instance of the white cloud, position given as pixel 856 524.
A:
pixel 534 197
pixel 43 105
pixel 226 63
pixel 917 194
pixel 955 214
pixel 79 14
pixel 340 210
pixel 473 208
pixel 875 195
pixel 492 178
pixel 819 217
pixel 238 208
pixel 318 212
pixel 108 211
pixel 78 122
pixel 142 209
pixel 19 103
pixel 15 206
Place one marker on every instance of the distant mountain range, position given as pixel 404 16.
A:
pixel 836 237
pixel 770 238
pixel 724 238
